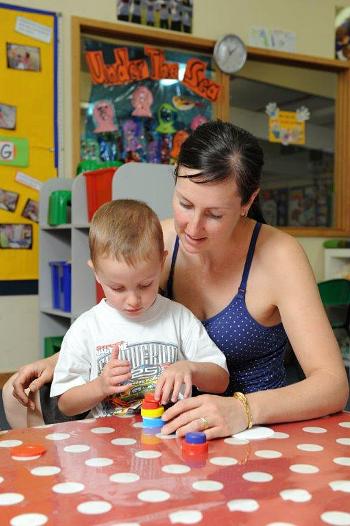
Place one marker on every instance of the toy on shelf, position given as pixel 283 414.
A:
pixel 151 412
pixel 60 202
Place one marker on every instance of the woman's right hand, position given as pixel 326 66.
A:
pixel 33 376
pixel 217 416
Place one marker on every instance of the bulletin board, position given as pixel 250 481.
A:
pixel 28 137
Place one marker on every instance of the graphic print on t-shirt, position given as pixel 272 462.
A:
pixel 147 359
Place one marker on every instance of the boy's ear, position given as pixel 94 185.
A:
pixel 165 253
pixel 91 265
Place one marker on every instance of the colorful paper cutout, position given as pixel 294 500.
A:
pixel 14 151
pixel 178 139
pixel 197 121
pixel 196 80
pixel 287 127
pixel 166 117
pixel 142 100
pixel 104 115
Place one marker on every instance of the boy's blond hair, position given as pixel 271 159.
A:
pixel 127 230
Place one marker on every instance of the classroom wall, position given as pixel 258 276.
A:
pixel 313 22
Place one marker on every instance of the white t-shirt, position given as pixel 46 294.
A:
pixel 165 333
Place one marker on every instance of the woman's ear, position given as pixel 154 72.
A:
pixel 247 206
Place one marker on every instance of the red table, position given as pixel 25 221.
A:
pixel 109 472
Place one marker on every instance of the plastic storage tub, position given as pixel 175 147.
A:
pixel 61 285
pixel 98 188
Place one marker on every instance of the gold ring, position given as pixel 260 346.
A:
pixel 205 422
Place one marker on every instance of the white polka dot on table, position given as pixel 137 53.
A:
pixel 87 420
pixel 66 488
pixel 98 462
pixel 236 441
pixel 10 443
pixel 223 461
pixel 4 431
pixel 165 437
pixel 8 499
pixel 340 485
pixel 176 469
pixel 148 453
pixel 255 433
pixel 268 453
pixel 207 485
pixel 45 471
pixel 22 459
pixel 124 478
pixel 57 436
pixel 123 441
pixel 314 429
pixel 76 448
pixel 296 495
pixel 137 424
pixel 127 415
pixel 185 517
pixel 43 426
pixel 344 424
pixel 257 476
pixel 342 461
pixel 126 524
pixel 153 495
pixel 310 447
pixel 336 518
pixel 343 441
pixel 246 505
pixel 102 430
pixel 32 519
pixel 94 507
pixel 304 468
pixel 280 524
pixel 1 479
pixel 279 435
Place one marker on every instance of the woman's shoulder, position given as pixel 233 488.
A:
pixel 276 248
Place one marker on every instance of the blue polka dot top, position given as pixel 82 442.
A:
pixel 254 353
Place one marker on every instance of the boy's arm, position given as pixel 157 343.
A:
pixel 81 398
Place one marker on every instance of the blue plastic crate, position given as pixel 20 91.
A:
pixel 61 285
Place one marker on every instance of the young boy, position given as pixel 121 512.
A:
pixel 134 340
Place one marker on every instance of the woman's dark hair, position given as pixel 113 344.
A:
pixel 221 150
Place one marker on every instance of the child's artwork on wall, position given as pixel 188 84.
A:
pixel 16 236
pixel 144 102
pixel 31 210
pixel 23 57
pixel 166 14
pixel 287 127
pixel 342 33
pixel 7 116
pixel 8 200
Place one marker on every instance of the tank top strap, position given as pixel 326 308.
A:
pixel 169 285
pixel 248 261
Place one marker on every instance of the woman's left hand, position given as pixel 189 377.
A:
pixel 216 416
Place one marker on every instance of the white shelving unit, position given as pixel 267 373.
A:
pixel 336 263
pixel 152 183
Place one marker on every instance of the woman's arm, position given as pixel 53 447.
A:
pixel 33 376
pixel 325 388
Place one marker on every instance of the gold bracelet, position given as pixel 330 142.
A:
pixel 242 398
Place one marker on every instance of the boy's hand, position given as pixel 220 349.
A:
pixel 114 373
pixel 171 382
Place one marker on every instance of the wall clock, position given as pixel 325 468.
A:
pixel 230 54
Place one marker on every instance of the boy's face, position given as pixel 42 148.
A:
pixel 130 289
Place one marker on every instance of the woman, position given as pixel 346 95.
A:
pixel 252 287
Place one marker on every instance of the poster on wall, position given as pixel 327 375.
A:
pixel 165 14
pixel 144 102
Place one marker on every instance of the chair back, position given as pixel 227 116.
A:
pixel 334 292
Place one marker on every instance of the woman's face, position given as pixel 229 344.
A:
pixel 205 214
